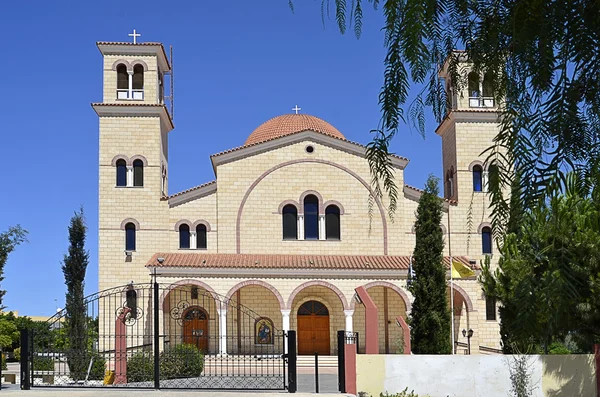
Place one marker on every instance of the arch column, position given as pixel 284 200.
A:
pixel 193 239
pixel 349 314
pixel 223 331
pixel 322 227
pixel 285 325
pixel 300 226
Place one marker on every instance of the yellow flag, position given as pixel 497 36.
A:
pixel 461 271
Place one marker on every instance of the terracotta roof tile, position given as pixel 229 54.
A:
pixel 288 124
pixel 453 202
pixel 273 261
pixel 191 189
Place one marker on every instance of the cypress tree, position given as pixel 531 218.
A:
pixel 430 316
pixel 74 266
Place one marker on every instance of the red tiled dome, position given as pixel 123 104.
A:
pixel 288 124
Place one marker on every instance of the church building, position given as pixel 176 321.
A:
pixel 285 228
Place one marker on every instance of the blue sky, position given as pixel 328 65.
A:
pixel 237 64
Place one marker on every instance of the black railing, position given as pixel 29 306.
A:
pixel 344 338
pixel 149 336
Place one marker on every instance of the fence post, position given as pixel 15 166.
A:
pixel 25 353
pixel 292 362
pixel 317 372
pixel 341 336
pixel 156 337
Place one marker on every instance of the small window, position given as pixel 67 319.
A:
pixel 290 222
pixel 184 237
pixel 311 217
pixel 490 308
pixel 332 222
pixel 138 77
pixel 131 301
pixel 201 240
pixel 122 77
pixel 474 85
pixel 488 85
pixel 130 237
pixel 194 292
pixel 121 173
pixel 450 184
pixel 477 178
pixel 486 240
pixel 138 173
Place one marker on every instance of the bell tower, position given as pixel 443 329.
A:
pixel 469 128
pixel 134 124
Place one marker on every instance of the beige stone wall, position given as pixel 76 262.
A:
pixel 150 78
pixel 130 136
pixel 204 208
pixel 359 233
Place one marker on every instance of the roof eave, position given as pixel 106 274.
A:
pixel 327 140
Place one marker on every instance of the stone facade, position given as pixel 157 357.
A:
pixel 241 211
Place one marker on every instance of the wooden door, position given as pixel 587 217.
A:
pixel 313 329
pixel 195 328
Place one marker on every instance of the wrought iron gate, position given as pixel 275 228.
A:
pixel 155 336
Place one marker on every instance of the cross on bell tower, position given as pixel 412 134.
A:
pixel 296 109
pixel 135 35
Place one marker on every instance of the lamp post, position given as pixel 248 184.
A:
pixel 468 334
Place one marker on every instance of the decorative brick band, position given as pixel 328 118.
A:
pixel 181 283
pixel 318 283
pixel 201 222
pixel 288 202
pixel 183 222
pixel 259 283
pixel 391 286
pixel 318 161
pixel 308 193
pixel 333 202
pixel 139 157
pixel 118 157
pixel 130 220
pixel 465 296
pixel 130 65
pixel 482 225
pixel 474 163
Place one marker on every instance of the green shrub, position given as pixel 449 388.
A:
pixel 43 364
pixel 181 361
pixel 18 354
pixel 140 367
pixel 4 366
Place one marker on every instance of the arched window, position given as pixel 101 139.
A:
pixel 138 173
pixel 121 173
pixel 332 222
pixel 474 85
pixel 486 240
pixel 290 222
pixel 138 77
pixel 450 184
pixel 311 217
pixel 201 241
pixel 131 300
pixel 488 90
pixel 477 178
pixel 184 236
pixel 122 77
pixel 130 237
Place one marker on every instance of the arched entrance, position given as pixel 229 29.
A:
pixel 195 327
pixel 313 328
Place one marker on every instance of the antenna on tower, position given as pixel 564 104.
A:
pixel 172 96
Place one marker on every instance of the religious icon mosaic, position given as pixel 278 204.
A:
pixel 263 331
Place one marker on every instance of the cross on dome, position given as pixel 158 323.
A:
pixel 296 109
pixel 135 35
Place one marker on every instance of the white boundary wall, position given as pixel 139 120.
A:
pixel 474 376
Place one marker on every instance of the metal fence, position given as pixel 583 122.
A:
pixel 154 336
